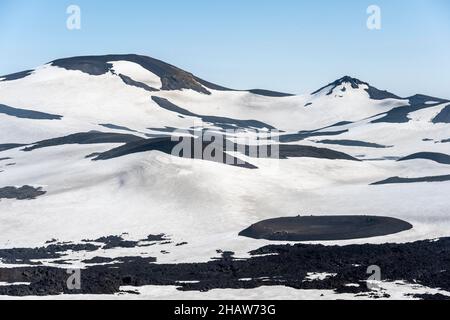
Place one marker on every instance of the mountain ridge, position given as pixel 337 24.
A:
pixel 174 78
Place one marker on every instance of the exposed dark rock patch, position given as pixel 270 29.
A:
pixel 156 237
pixel 101 260
pixel 395 180
pixel 172 78
pixel 16 76
pixel 354 143
pixel 27 114
pixel 166 104
pixel 52 251
pixel 94 66
pixel 324 228
pixel 127 80
pixel 112 242
pixel 388 158
pixel 92 137
pixel 445 141
pixel 22 193
pixel 373 92
pixel 116 127
pixel 222 122
pixel 166 145
pixel 165 129
pixel 443 116
pixel 8 146
pixel 3 159
pixel 273 265
pixel 181 244
pixel 400 114
pixel 302 135
pixel 296 151
pixel 286 151
pixel 421 99
pixel 377 94
pixel 339 124
pixel 433 156
pixel 57 250
pixel 429 297
pixel 269 93
pixel 92 155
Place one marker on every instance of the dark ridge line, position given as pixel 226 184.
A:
pixel 223 122
pixel 129 81
pixel 354 143
pixel 302 135
pixel 172 78
pixel 433 156
pixel 390 158
pixel 16 76
pixel 269 93
pixel 166 145
pixel 165 129
pixel 9 146
pixel 116 127
pixel 27 114
pixel 400 114
pixel 443 116
pixel 286 151
pixel 399 180
pixel 91 137
pixel 297 151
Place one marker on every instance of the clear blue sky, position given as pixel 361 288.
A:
pixel 287 45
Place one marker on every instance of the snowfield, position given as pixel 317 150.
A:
pixel 201 203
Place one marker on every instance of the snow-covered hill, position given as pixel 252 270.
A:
pixel 94 134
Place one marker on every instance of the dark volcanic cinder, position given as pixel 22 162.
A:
pixel 22 193
pixel 323 228
pixel 274 265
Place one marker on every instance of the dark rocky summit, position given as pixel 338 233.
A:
pixel 172 78
pixel 373 92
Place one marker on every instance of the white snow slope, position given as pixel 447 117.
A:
pixel 203 203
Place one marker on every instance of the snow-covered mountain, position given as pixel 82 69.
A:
pixel 93 136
